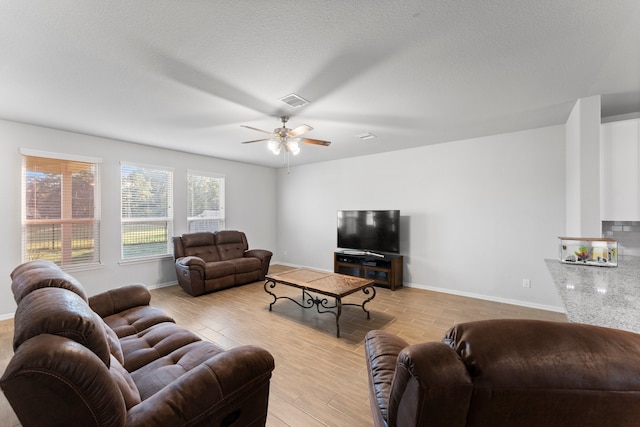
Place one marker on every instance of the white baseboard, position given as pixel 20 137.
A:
pixel 488 298
pixel 161 285
pixel 463 294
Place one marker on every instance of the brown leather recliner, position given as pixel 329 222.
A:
pixel 113 360
pixel 208 262
pixel 507 373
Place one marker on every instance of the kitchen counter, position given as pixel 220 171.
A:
pixel 603 296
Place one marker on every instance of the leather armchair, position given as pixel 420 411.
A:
pixel 506 373
pixel 208 262
pixel 71 368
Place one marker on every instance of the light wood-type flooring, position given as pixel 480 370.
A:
pixel 319 380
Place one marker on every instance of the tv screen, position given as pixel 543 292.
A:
pixel 369 230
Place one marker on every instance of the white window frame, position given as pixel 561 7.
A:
pixel 163 221
pixel 66 239
pixel 217 215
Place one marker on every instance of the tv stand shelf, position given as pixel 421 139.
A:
pixel 386 271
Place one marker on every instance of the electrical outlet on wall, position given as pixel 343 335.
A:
pixel 526 283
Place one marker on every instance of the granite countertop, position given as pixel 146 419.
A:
pixel 603 296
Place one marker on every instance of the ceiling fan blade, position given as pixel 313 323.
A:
pixel 316 141
pixel 255 140
pixel 259 130
pixel 299 130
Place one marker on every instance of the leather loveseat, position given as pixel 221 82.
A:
pixel 114 360
pixel 507 373
pixel 208 262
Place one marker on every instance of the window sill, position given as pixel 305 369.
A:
pixel 144 260
pixel 87 267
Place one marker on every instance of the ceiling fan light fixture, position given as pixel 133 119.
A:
pixel 294 100
pixel 274 146
pixel 293 146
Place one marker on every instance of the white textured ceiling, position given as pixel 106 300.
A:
pixel 186 74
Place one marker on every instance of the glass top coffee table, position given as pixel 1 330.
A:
pixel 332 285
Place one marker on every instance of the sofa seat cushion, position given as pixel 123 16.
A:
pixel 214 270
pixel 153 343
pixel 135 320
pixel 246 265
pixel 156 375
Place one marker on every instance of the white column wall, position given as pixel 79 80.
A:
pixel 583 169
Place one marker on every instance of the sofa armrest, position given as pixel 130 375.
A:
pixel 431 386
pixel 191 261
pixel 232 386
pixel 53 380
pixel 265 258
pixel 189 265
pixel 261 254
pixel 381 354
pixel 119 299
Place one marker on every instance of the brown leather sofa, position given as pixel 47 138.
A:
pixel 507 373
pixel 208 262
pixel 114 360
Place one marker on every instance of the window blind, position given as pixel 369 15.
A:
pixel 205 202
pixel 147 211
pixel 61 210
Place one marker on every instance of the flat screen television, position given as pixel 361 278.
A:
pixel 374 231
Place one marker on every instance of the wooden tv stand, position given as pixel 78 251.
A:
pixel 385 271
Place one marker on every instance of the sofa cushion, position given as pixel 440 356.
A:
pixel 201 245
pixel 60 312
pixel 231 244
pixel 125 383
pixel 246 265
pixel 30 265
pixel 42 274
pixel 153 343
pixel 114 343
pixel 214 270
pixel 157 374
pixel 136 319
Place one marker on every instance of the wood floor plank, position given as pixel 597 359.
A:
pixel 319 380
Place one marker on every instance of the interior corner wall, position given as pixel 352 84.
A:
pixel 477 216
pixel 249 198
pixel 583 169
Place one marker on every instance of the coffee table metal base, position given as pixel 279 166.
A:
pixel 322 304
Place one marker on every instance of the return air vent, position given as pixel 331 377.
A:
pixel 366 135
pixel 293 100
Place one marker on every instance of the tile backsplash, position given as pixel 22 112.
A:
pixel 627 233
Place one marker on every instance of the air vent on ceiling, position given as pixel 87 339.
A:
pixel 366 135
pixel 293 100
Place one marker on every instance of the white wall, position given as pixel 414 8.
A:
pixel 250 202
pixel 477 216
pixel 583 169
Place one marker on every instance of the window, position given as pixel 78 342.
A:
pixel 147 211
pixel 60 208
pixel 205 198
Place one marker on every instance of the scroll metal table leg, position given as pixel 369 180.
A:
pixel 273 284
pixel 338 313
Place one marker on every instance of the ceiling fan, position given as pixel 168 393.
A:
pixel 287 139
